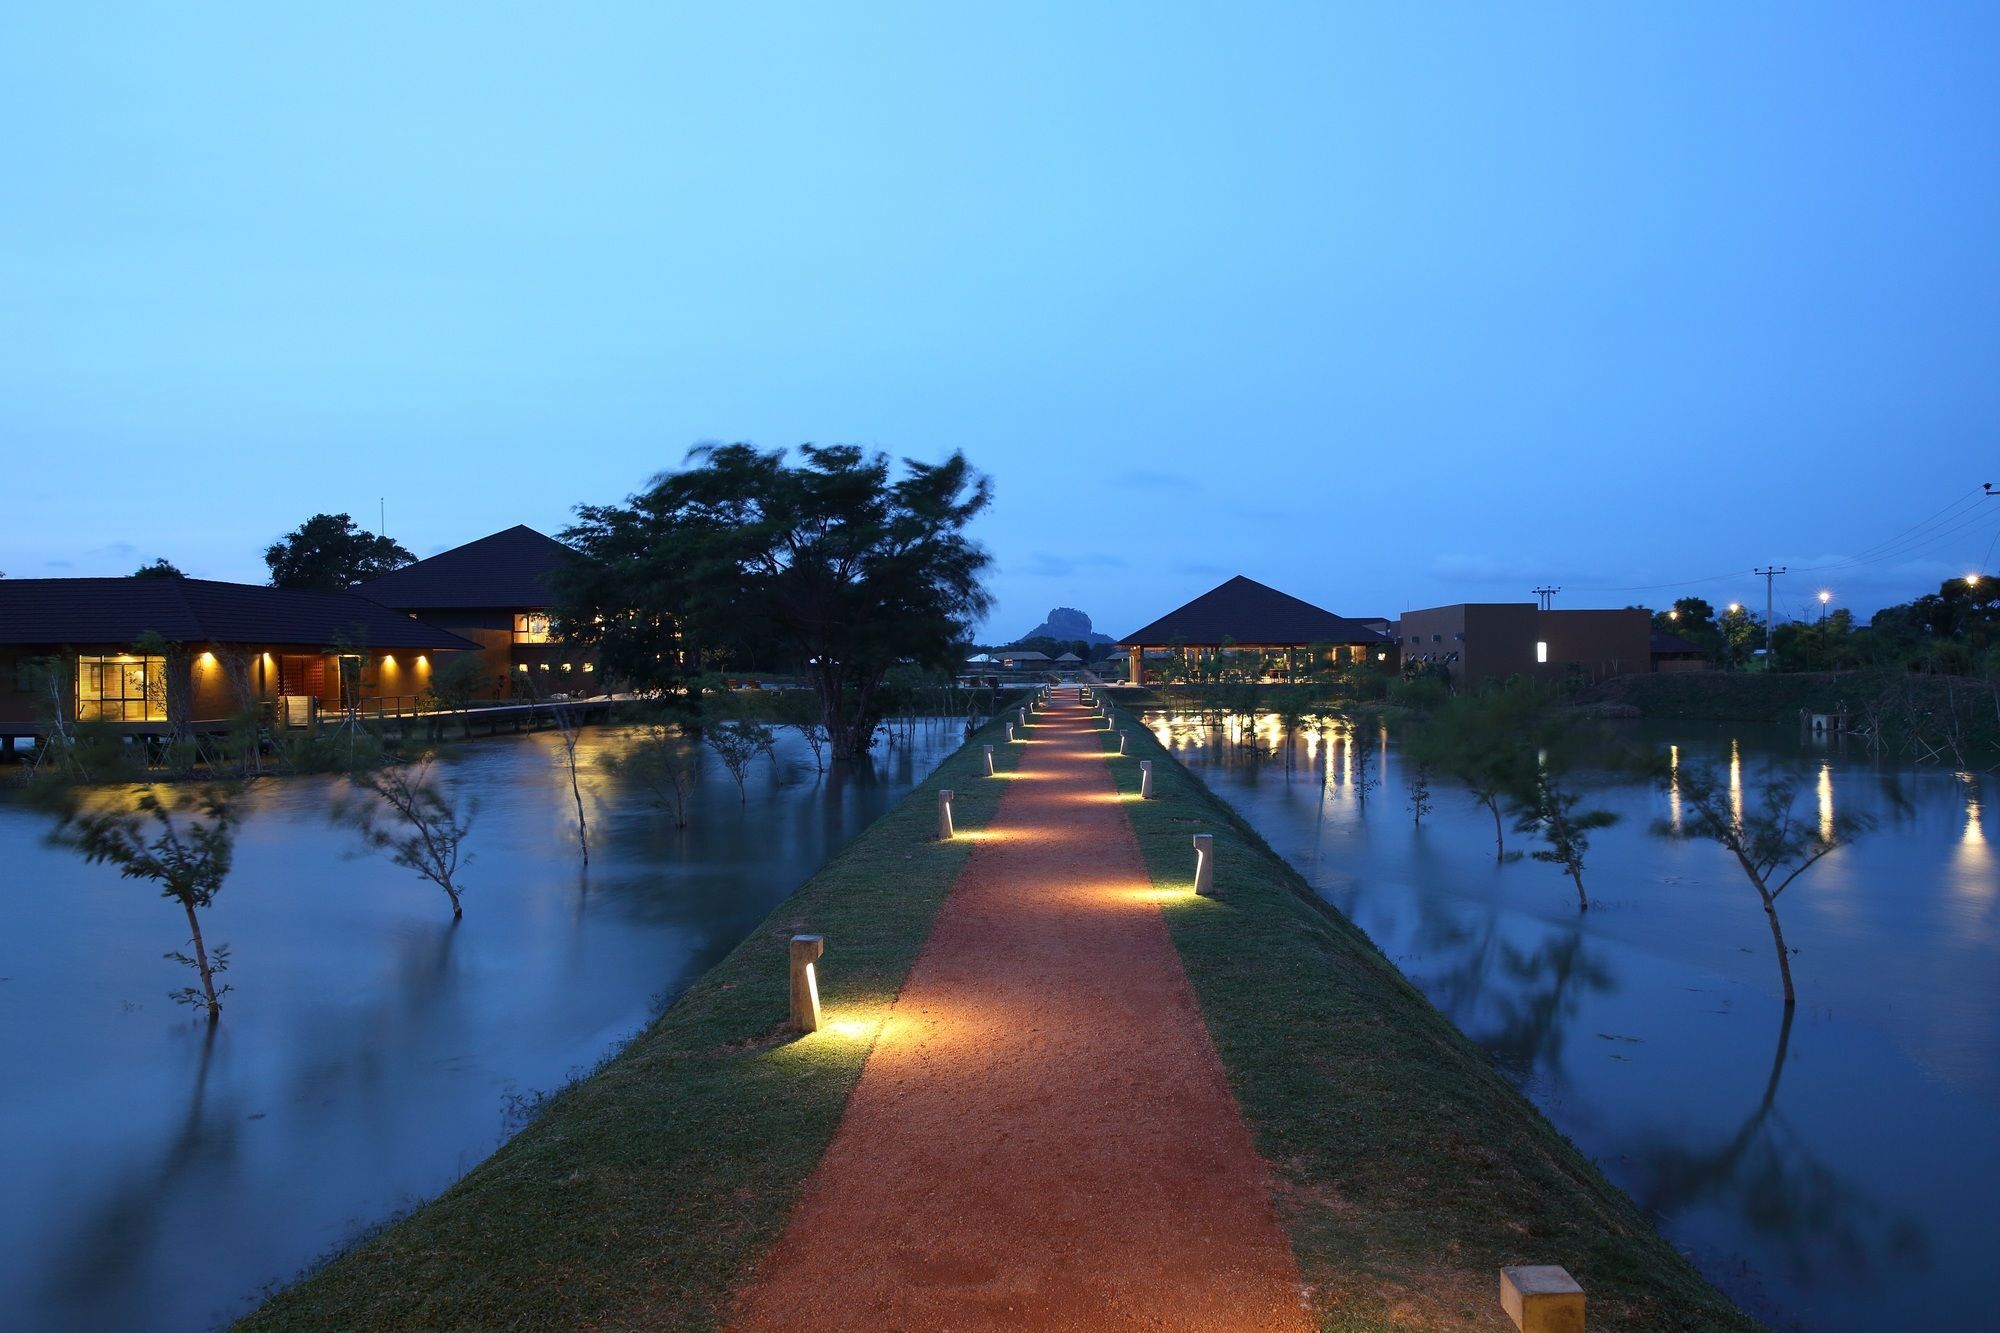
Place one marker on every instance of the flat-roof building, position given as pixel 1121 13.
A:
pixel 1493 640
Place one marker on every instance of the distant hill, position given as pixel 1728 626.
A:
pixel 1066 622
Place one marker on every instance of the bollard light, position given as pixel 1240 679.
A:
pixel 944 814
pixel 806 949
pixel 1121 742
pixel 1542 1298
pixel 1010 730
pixel 1204 864
pixel 989 759
pixel 1145 779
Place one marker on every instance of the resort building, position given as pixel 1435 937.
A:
pixel 498 592
pixel 1493 640
pixel 143 652
pixel 1279 633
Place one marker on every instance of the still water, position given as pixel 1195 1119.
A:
pixel 155 1178
pixel 1839 1173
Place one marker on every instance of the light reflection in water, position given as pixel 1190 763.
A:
pixel 1736 782
pixel 1825 791
pixel 1674 786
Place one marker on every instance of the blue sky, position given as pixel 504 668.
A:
pixel 1387 306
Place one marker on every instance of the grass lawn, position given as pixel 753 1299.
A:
pixel 1408 1170
pixel 646 1193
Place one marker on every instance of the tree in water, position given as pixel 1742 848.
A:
pixel 1771 843
pixel 665 763
pixel 832 567
pixel 1550 809
pixel 183 840
pixel 413 818
pixel 328 553
pixel 1420 791
pixel 736 743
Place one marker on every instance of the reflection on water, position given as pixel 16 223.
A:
pixel 1820 1169
pixel 157 1174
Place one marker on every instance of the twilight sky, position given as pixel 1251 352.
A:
pixel 1387 306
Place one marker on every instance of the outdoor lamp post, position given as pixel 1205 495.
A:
pixel 944 814
pixel 1542 1298
pixel 1204 864
pixel 1824 598
pixel 1145 779
pixel 988 757
pixel 806 949
pixel 1121 742
pixel 1010 730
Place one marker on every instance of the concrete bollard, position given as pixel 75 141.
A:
pixel 944 814
pixel 989 759
pixel 1204 864
pixel 1145 779
pixel 806 949
pixel 1010 730
pixel 1542 1298
pixel 1122 737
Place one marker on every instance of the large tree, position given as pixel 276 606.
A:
pixel 831 566
pixel 328 553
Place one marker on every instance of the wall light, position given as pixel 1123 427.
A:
pixel 989 759
pixel 944 814
pixel 1204 864
pixel 1145 779
pixel 1542 1298
pixel 806 950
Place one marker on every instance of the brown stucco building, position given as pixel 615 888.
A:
pixel 498 592
pixel 212 650
pixel 1493 640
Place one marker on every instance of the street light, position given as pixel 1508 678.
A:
pixel 1824 598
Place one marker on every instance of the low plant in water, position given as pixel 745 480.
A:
pixel 1771 843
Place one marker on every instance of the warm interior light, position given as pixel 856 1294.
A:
pixel 1541 651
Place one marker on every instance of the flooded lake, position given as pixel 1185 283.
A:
pixel 1836 1173
pixel 371 1052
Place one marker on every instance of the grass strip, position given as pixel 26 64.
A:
pixel 1408 1170
pixel 645 1194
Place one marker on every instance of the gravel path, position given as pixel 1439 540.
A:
pixel 1043 1136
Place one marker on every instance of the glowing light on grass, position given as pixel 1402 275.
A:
pixel 1145 779
pixel 806 950
pixel 944 814
pixel 1204 864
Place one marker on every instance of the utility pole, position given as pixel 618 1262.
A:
pixel 1770 573
pixel 1546 594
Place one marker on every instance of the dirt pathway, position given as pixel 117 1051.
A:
pixel 1043 1136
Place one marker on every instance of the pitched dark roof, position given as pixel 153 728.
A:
pixel 507 571
pixel 84 612
pixel 1246 611
pixel 1665 644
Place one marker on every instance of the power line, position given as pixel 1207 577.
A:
pixel 1547 595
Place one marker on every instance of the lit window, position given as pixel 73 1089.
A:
pixel 590 666
pixel 521 667
pixel 532 627
pixel 121 689
pixel 1541 651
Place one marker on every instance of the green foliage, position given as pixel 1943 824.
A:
pixel 158 568
pixel 736 743
pixel 829 567
pixel 420 824
pixel 328 553
pixel 1767 838
pixel 183 840
pixel 1552 810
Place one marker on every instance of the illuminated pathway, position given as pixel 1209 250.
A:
pixel 1043 1136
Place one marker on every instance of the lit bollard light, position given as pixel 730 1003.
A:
pixel 1121 742
pixel 806 949
pixel 944 815
pixel 1204 864
pixel 1145 779
pixel 1010 731
pixel 1542 1298
pixel 989 759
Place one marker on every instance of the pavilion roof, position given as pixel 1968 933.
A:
pixel 1248 612
pixel 90 612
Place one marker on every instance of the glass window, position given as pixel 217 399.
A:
pixel 532 627
pixel 121 689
